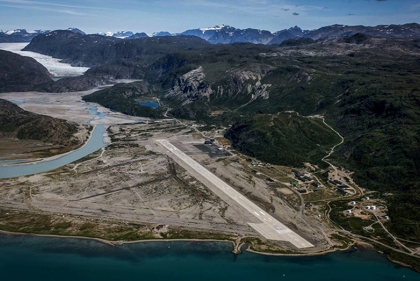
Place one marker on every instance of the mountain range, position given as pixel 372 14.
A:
pixel 23 35
pixel 225 34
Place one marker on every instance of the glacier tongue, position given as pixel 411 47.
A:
pixel 54 66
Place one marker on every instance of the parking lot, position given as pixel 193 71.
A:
pixel 213 150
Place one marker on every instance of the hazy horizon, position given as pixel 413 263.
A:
pixel 94 16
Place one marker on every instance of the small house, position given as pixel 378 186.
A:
pixel 269 180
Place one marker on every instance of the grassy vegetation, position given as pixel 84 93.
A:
pixel 321 194
pixel 179 233
pixel 344 240
pixel 27 222
pixel 258 245
pixel 406 260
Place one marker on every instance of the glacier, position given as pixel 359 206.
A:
pixel 55 67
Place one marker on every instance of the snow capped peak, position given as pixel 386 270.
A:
pixel 10 32
pixel 75 30
pixel 123 34
pixel 108 33
pixel 216 27
pixel 161 33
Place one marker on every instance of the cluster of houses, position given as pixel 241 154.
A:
pixel 301 176
pixel 340 186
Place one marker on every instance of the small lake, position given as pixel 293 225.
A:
pixel 41 258
pixel 150 104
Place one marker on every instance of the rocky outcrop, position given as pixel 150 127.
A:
pixel 238 84
pixel 190 87
pixel 248 82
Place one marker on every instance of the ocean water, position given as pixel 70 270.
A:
pixel 41 258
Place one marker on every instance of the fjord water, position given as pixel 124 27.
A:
pixel 42 258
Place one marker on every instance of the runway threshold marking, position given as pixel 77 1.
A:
pixel 269 227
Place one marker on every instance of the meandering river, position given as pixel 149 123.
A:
pixel 95 142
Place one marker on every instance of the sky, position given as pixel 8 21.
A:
pixel 93 16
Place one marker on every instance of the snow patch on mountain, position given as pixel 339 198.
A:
pixel 216 27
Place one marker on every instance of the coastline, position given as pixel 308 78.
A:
pixel 237 245
pixel 117 243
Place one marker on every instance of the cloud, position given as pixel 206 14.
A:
pixel 37 8
pixel 40 5
pixel 253 7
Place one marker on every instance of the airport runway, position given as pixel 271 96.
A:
pixel 268 227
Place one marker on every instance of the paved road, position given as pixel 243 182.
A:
pixel 267 226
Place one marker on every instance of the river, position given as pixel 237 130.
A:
pixel 96 141
pixel 11 169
